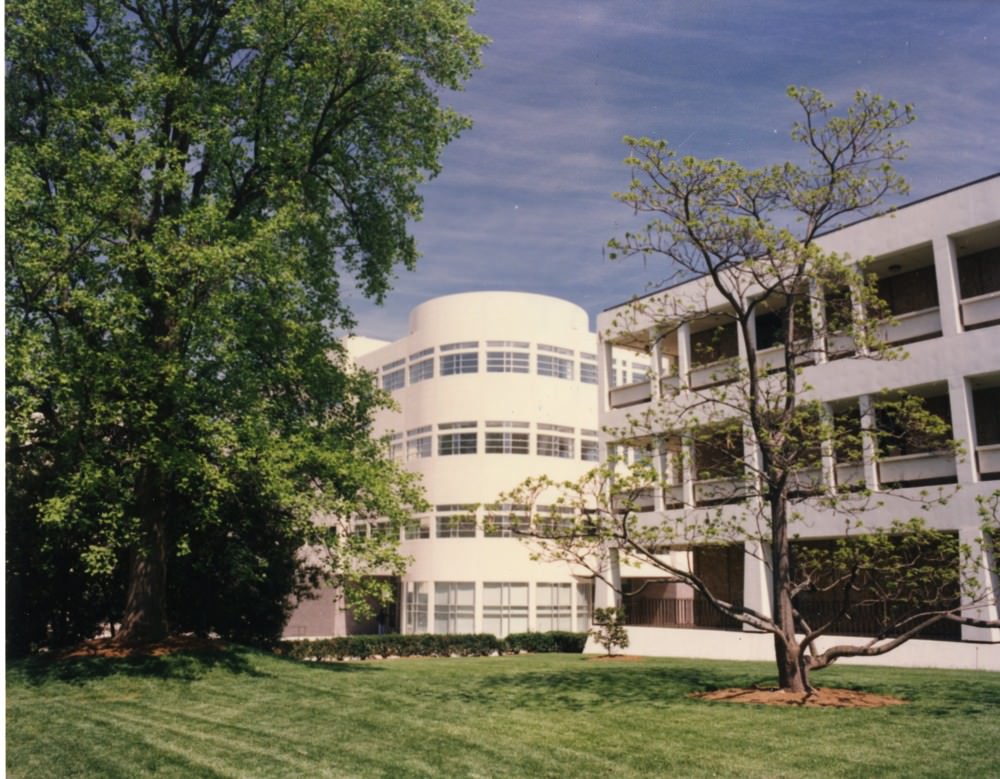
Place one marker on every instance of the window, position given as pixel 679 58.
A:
pixel 507 362
pixel 420 371
pixel 456 443
pixel 979 273
pixel 454 607
pixel 590 450
pixel 913 290
pixel 418 443
pixel 415 530
pixel 588 372
pixel 557 367
pixel 553 610
pixel 396 446
pixel 456 526
pixel 555 349
pixel 504 523
pixel 394 380
pixel 714 345
pixel 505 608
pixel 415 607
pixel 462 362
pixel 506 443
pixel 640 372
pixel 554 446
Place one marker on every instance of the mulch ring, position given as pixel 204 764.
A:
pixel 826 698
pixel 106 647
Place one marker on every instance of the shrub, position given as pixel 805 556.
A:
pixel 429 645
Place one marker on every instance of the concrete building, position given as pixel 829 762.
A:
pixel 938 261
pixel 492 388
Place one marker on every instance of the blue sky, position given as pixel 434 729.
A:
pixel 524 200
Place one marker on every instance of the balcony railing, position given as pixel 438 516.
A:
pixel 676 613
pixel 711 492
pixel 714 373
pixel 988 457
pixel 981 310
pixel 913 326
pixel 850 475
pixel 631 394
pixel 920 468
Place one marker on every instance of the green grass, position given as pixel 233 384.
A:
pixel 242 713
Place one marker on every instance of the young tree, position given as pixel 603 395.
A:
pixel 749 428
pixel 610 631
pixel 189 187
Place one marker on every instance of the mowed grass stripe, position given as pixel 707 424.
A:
pixel 251 714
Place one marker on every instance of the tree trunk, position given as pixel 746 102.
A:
pixel 792 672
pixel 145 618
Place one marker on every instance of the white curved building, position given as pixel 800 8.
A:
pixel 492 387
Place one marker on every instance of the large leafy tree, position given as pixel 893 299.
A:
pixel 190 185
pixel 762 447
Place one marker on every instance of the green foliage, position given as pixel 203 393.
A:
pixel 430 645
pixel 190 189
pixel 610 631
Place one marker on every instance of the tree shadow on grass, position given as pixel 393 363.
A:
pixel 590 685
pixel 188 665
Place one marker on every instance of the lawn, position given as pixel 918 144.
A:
pixel 243 713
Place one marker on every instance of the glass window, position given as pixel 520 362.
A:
pixel 460 345
pixel 415 606
pixel 588 373
pixel 505 608
pixel 553 610
pixel 460 362
pixel 416 529
pixel 418 448
pixel 557 367
pixel 454 607
pixel 554 446
pixel 506 443
pixel 590 450
pixel 554 349
pixel 456 443
pixel 394 380
pixel 456 526
pixel 507 362
pixel 420 371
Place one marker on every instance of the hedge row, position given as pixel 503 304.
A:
pixel 430 645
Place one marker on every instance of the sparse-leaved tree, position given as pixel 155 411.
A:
pixel 739 446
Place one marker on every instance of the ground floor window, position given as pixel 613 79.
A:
pixel 415 605
pixel 505 607
pixel 553 610
pixel 454 607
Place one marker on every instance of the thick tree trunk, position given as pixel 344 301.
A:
pixel 792 672
pixel 145 618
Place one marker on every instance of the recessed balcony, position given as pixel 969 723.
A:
pixel 630 394
pixel 917 469
pixel 981 311
pixel 913 326
pixel 988 459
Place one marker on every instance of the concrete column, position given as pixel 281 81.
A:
pixel 828 456
pixel 687 471
pixel 869 443
pixel 963 428
pixel 949 293
pixel 860 318
pixel 756 579
pixel 684 355
pixel 608 595
pixel 659 465
pixel 656 367
pixel 605 378
pixel 985 606
pixel 817 316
